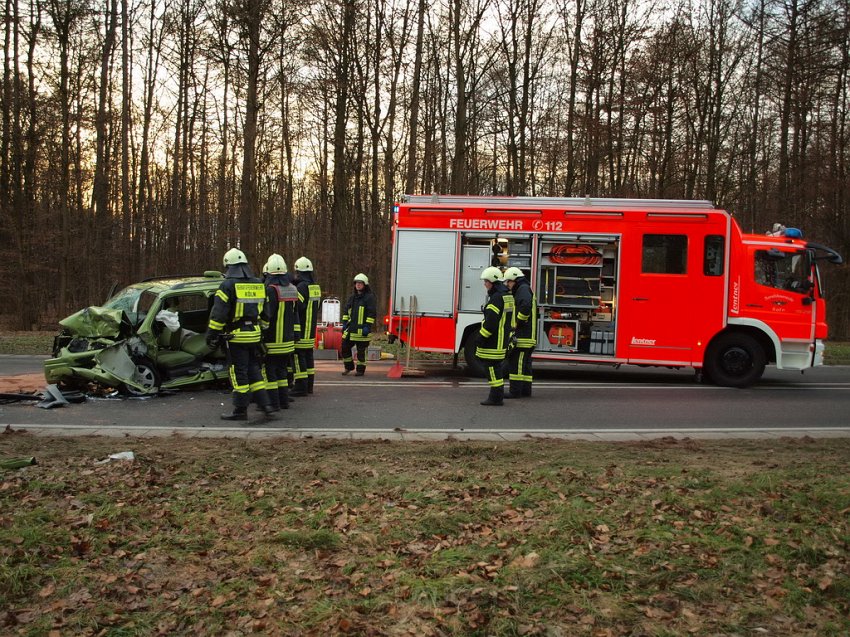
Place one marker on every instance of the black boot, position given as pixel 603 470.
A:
pixel 515 391
pixel 310 380
pixel 495 397
pixel 262 398
pixel 274 402
pixel 526 388
pixel 361 369
pixel 299 389
pixel 240 407
pixel 283 397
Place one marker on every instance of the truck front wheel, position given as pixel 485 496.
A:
pixel 735 360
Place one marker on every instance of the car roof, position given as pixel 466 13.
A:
pixel 158 285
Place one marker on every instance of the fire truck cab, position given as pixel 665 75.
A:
pixel 619 281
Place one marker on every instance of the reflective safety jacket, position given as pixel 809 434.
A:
pixel 498 324
pixel 238 309
pixel 307 311
pixel 526 314
pixel 358 316
pixel 279 338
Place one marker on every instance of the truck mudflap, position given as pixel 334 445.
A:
pixel 800 355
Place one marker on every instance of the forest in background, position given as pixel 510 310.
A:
pixel 146 137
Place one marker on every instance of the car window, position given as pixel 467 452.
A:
pixel 665 254
pixel 188 303
pixel 144 305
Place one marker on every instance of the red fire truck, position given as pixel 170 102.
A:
pixel 620 281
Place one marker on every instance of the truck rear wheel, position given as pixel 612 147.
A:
pixel 474 366
pixel 735 360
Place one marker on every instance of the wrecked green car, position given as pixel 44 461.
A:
pixel 146 338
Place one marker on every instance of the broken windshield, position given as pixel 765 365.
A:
pixel 134 302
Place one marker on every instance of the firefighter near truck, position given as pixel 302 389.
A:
pixel 647 282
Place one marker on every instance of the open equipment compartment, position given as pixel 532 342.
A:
pixel 576 292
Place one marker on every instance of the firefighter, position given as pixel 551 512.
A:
pixel 236 317
pixel 525 336
pixel 307 314
pixel 358 321
pixel 279 337
pixel 495 333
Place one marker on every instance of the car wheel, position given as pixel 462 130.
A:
pixel 146 375
pixel 735 360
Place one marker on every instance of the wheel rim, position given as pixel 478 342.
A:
pixel 145 377
pixel 736 361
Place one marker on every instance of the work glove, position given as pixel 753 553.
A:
pixel 212 340
pixel 365 331
pixel 479 340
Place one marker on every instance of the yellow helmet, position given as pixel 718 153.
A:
pixel 303 264
pixel 491 274
pixel 275 265
pixel 513 273
pixel 234 256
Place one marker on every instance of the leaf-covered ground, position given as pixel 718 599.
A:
pixel 237 537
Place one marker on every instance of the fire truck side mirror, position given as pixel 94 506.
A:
pixel 807 300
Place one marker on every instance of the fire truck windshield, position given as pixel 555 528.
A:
pixel 789 271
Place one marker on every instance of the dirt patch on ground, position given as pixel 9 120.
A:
pixel 22 383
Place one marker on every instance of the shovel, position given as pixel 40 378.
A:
pixel 396 369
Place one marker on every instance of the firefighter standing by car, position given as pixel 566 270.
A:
pixel 307 314
pixel 358 321
pixel 495 333
pixel 236 316
pixel 279 337
pixel 525 337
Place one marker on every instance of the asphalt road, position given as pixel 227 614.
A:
pixel 576 397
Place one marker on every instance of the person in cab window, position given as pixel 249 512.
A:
pixel 525 337
pixel 493 336
pixel 307 315
pixel 279 337
pixel 236 318
pixel 358 321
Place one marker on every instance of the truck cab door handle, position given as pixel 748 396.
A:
pixel 639 298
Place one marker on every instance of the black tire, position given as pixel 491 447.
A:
pixel 735 360
pixel 146 375
pixel 474 366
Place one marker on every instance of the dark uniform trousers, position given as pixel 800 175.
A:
pixel 246 374
pixel 348 347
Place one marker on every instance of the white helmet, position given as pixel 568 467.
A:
pixel 491 274
pixel 304 265
pixel 513 273
pixel 275 265
pixel 362 278
pixel 234 256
